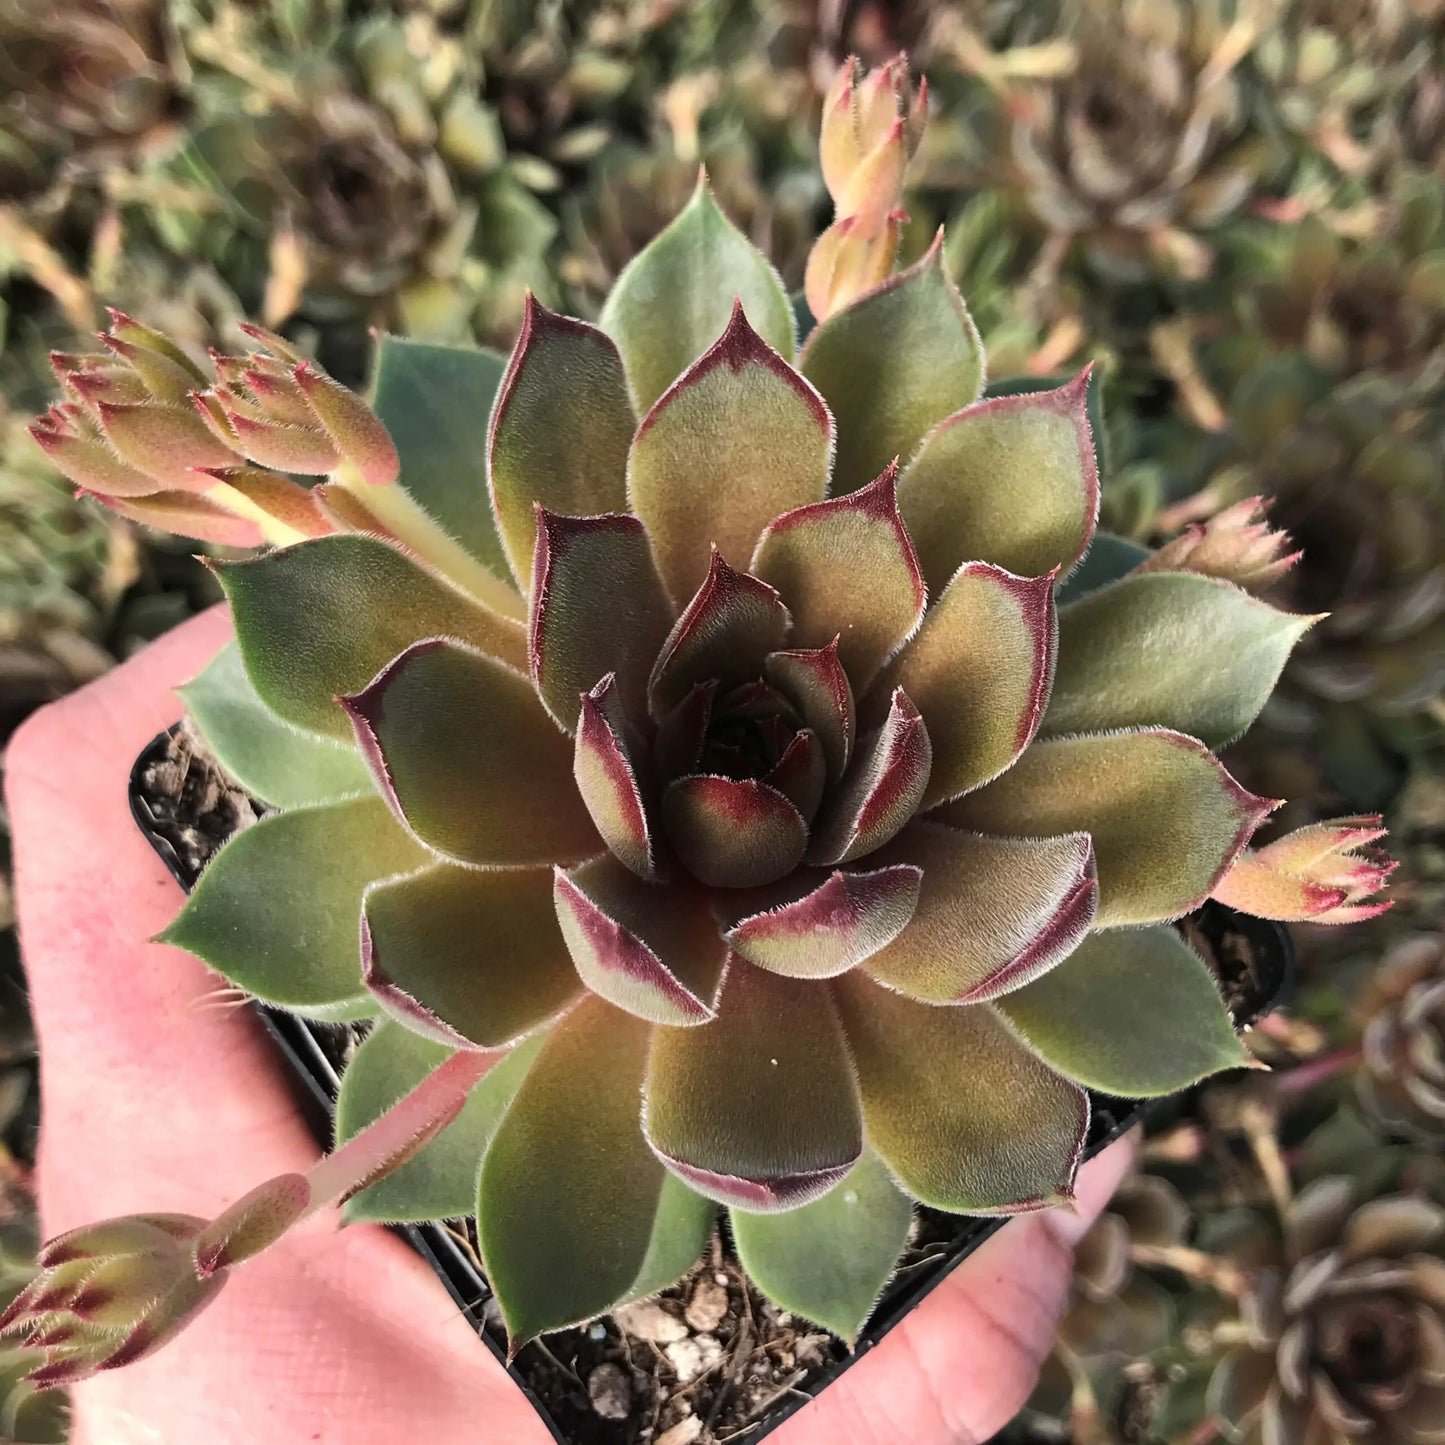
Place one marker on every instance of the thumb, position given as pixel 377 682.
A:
pixel 959 1367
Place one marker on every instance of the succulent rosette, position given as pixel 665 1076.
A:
pixel 755 771
pixel 1402 1077
pixel 1346 1319
pixel 1126 124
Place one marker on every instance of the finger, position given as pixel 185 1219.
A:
pixel 132 1044
pixel 960 1366
pixel 157 1099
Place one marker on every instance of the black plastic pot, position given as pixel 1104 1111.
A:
pixel 304 1047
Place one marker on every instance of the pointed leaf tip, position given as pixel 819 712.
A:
pixel 673 300
pixel 654 952
pixel 165 441
pixel 1165 816
pixel 559 432
pixel 834 926
pixel 1146 985
pixel 597 607
pixel 355 430
pixel 881 791
pixel 1012 480
pixel 979 669
pixel 893 364
pixel 814 681
pixel 606 770
pixel 723 635
pixel 276 910
pixel 693 476
pixel 1169 649
pixel 846 570
pixel 461 749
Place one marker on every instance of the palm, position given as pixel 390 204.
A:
pixel 159 1096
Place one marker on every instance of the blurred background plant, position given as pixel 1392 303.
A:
pixel 1235 207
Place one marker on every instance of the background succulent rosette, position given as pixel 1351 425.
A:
pixel 766 772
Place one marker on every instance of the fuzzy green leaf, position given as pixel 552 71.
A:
pixel 277 910
pixel 892 366
pixel 1169 649
pixel 570 1209
pixel 560 431
pixel 435 400
pixel 760 1107
pixel 680 1231
pixel 829 1260
pixel 1165 817
pixel 1130 1012
pixel 440 1180
pixel 845 569
pixel 598 608
pixel 461 748
pixel 673 300
pixel 604 766
pixel 880 792
pixel 723 635
pixel 1010 481
pixel 654 952
pixel 819 927
pixel 319 620
pixel 467 956
pixel 965 1116
pixel 978 671
pixel 1094 403
pixel 694 476
pixel 732 832
pixel 992 912
pixel 280 764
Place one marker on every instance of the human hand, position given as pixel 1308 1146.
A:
pixel 159 1097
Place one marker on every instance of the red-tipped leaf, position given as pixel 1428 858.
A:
pixel 653 951
pixel 846 570
pixel 465 756
pixel 881 791
pixel 833 926
pixel 724 633
pixel 694 475
pixel 597 607
pixel 814 681
pixel 605 767
pixel 733 832
pixel 979 672
pixel 712 1105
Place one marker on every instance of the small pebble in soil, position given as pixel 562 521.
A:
pixel 610 1391
pixel 690 1358
pixel 649 1321
pixel 685 1432
pixel 708 1305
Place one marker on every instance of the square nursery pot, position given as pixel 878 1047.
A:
pixel 589 1385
